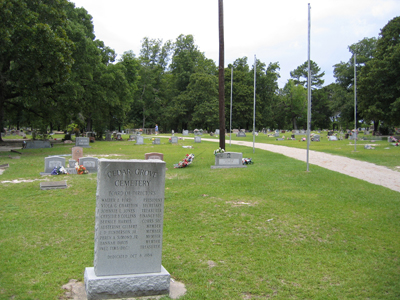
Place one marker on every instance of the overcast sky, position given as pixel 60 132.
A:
pixel 274 31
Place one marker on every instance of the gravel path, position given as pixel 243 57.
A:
pixel 359 169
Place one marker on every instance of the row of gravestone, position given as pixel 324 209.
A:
pixel 90 163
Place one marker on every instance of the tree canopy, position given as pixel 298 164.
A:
pixel 54 72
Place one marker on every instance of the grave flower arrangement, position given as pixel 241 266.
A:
pixel 58 171
pixel 219 151
pixel 80 169
pixel 247 161
pixel 185 162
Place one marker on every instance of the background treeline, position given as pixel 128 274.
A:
pixel 54 72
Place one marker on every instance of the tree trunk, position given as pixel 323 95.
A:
pixel 221 76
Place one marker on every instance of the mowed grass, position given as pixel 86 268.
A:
pixel 271 230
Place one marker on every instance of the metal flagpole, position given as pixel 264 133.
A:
pixel 254 112
pixel 309 90
pixel 355 102
pixel 230 126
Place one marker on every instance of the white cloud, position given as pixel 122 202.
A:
pixel 273 30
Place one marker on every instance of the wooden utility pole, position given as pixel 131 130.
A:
pixel 221 75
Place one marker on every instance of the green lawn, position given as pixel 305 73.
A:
pixel 270 230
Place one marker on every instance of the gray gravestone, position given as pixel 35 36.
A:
pixel 71 170
pixel 51 162
pixel 90 163
pixel 37 144
pixel 77 153
pixel 154 155
pixel 82 142
pixel 197 139
pixel 71 163
pixel 332 138
pixel 185 132
pixel 216 131
pixel 316 138
pixel 128 231
pixel 156 141
pixel 108 136
pixel 228 160
pixel 174 140
pixel 52 185
pixel 241 134
pixel 280 139
pixel 139 140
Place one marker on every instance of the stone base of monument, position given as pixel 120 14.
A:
pixel 125 286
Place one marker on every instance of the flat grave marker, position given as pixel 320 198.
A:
pixel 52 185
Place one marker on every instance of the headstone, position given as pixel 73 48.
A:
pixel 156 141
pixel 228 160
pixel 132 137
pixel 280 139
pixel 128 231
pixel 276 134
pixel 77 153
pixel 185 132
pixel 332 138
pixel 51 162
pixel 241 134
pixel 368 147
pixel 82 142
pixel 197 132
pixel 119 136
pixel 154 155
pixel 37 144
pixel 52 185
pixel 90 163
pixel 71 163
pixel 235 130
pixel 174 140
pixel 316 138
pixel 139 140
pixel 108 136
pixel 197 139
pixel 71 170
pixel 216 131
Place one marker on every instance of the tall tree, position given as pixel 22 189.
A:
pixel 344 71
pixel 294 98
pixel 35 54
pixel 300 75
pixel 378 89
